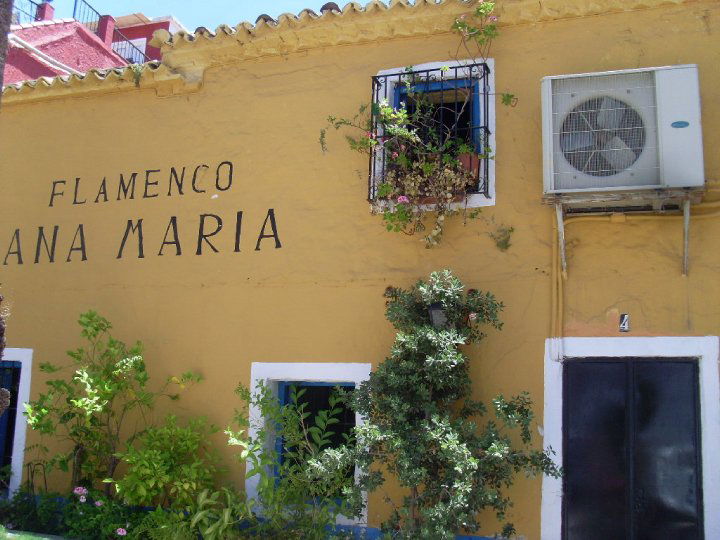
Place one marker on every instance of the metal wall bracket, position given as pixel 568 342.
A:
pixel 560 216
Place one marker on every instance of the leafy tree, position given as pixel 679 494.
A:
pixel 452 457
pixel 91 408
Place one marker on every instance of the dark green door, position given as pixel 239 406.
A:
pixel 631 453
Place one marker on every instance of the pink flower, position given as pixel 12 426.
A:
pixel 79 490
pixel 472 316
pixel 370 135
pixel 82 498
pixel 492 18
pixel 99 503
pixel 463 16
pixel 121 531
pixel 395 155
pixel 403 199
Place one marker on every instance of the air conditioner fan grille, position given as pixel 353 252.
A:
pixel 602 136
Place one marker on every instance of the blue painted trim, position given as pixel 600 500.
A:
pixel 431 86
pixel 284 387
pixel 401 92
pixel 288 384
pixel 373 533
pixel 10 364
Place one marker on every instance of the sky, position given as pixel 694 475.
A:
pixel 194 13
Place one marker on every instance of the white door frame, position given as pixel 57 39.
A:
pixel 707 352
pixel 24 356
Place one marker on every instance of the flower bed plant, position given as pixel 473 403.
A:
pixel 428 171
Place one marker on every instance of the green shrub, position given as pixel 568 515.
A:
pixel 220 514
pixel 163 524
pixel 168 465
pixel 91 408
pixel 216 515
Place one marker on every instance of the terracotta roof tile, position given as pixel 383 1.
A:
pixel 119 74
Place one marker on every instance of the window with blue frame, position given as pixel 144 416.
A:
pixel 315 397
pixel 444 105
pixel 9 379
pixel 453 105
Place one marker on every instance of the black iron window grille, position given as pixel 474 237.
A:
pixel 127 49
pixel 86 14
pixel 458 101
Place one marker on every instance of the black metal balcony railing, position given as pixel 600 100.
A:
pixel 86 14
pixel 89 16
pixel 460 97
pixel 125 48
pixel 24 11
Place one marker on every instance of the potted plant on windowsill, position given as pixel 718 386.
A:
pixel 469 159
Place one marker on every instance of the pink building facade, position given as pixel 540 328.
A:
pixel 48 47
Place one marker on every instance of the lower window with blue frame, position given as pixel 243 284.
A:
pixel 325 420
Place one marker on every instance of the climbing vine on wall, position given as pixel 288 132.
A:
pixel 452 455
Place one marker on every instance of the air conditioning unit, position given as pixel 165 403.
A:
pixel 618 131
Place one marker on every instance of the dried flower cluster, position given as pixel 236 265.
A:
pixel 418 192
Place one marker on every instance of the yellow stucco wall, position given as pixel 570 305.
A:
pixel 319 297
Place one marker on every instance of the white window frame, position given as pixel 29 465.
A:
pixel 474 200
pixel 707 352
pixel 24 356
pixel 271 373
